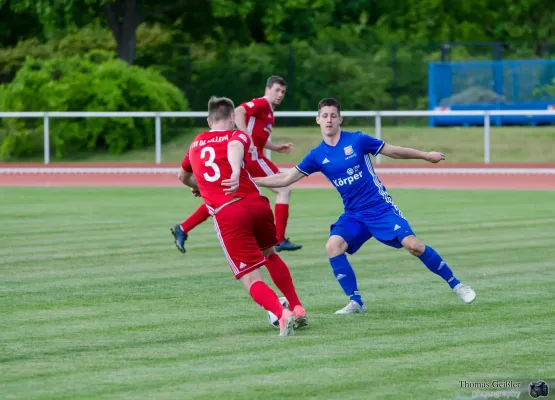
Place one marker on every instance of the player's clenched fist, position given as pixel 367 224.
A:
pixel 435 157
pixel 285 148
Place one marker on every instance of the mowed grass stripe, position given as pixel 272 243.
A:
pixel 380 344
pixel 151 374
pixel 90 319
pixel 520 239
pixel 120 236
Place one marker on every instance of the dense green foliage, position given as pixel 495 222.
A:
pixel 368 54
pixel 150 38
pixel 93 82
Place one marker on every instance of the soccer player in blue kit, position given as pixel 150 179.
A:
pixel 344 158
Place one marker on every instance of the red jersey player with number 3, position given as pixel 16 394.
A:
pixel 243 219
pixel 257 118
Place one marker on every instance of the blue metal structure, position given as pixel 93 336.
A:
pixel 491 85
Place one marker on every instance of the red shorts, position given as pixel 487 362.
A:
pixel 260 166
pixel 245 228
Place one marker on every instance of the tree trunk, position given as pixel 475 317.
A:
pixel 127 44
pixel 124 27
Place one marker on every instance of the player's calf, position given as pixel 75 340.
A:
pixel 281 276
pixel 281 213
pixel 433 261
pixel 344 273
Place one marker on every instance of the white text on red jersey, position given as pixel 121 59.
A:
pixel 217 139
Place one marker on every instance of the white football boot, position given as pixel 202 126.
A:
pixel 465 293
pixel 353 308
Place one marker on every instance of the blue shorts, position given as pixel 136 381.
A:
pixel 388 227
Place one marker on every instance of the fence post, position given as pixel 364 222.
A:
pixel 378 133
pixel 486 137
pixel 291 82
pixel 46 139
pixel 158 137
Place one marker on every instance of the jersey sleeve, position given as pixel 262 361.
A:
pixel 308 165
pixel 370 145
pixel 254 106
pixel 186 163
pixel 242 138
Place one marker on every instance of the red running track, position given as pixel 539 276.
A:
pixel 444 180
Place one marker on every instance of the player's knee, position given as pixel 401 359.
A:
pixel 335 248
pixel 283 195
pixel 249 279
pixel 268 252
pixel 413 246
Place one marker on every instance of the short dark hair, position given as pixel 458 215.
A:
pixel 274 79
pixel 329 102
pixel 220 108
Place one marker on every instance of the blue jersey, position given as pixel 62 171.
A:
pixel 348 167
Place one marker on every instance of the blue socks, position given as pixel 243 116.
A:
pixel 346 277
pixel 435 263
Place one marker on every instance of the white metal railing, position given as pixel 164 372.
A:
pixel 202 114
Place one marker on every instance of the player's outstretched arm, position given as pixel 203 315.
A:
pixel 398 152
pixel 282 179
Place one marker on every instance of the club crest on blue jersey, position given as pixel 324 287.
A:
pixel 348 150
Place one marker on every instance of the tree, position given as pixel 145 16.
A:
pixel 14 28
pixel 59 17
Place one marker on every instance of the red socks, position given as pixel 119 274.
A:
pixel 262 294
pixel 198 217
pixel 281 276
pixel 266 297
pixel 281 215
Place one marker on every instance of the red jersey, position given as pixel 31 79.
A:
pixel 207 160
pixel 259 120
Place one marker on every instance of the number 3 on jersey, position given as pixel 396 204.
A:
pixel 211 154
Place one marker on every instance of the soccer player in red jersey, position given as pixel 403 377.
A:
pixel 257 118
pixel 243 219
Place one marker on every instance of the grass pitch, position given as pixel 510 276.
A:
pixel 96 302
